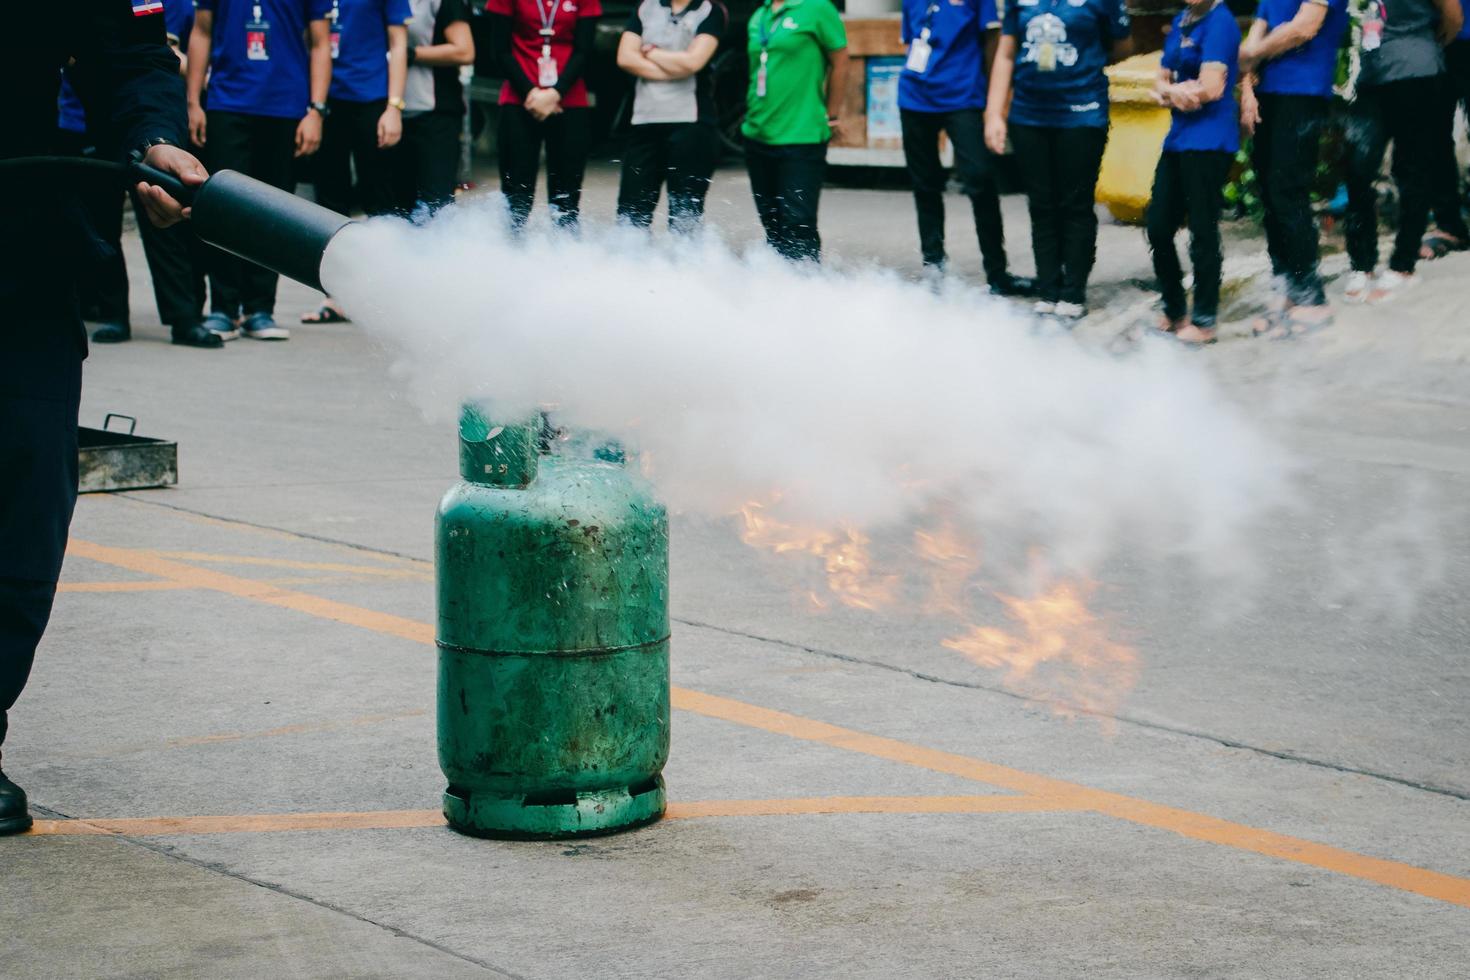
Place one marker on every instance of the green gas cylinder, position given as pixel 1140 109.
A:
pixel 553 635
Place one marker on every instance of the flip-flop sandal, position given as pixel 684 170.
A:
pixel 326 314
pixel 1297 326
pixel 1436 245
pixel 1270 326
pixel 1194 344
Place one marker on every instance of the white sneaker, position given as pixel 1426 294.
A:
pixel 1359 286
pixel 1043 307
pixel 263 326
pixel 1071 311
pixel 1392 283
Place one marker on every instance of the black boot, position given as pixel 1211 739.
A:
pixel 115 332
pixel 1009 285
pixel 14 817
pixel 195 334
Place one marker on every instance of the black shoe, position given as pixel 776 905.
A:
pixel 14 817
pixel 196 335
pixel 112 333
pixel 1010 285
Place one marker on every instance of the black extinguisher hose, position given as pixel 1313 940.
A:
pixel 244 216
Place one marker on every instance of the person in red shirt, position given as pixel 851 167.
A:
pixel 542 48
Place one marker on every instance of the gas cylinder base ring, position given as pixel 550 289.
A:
pixel 554 816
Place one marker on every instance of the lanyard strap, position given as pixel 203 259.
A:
pixel 928 22
pixel 766 29
pixel 547 13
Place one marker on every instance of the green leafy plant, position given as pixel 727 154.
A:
pixel 1241 191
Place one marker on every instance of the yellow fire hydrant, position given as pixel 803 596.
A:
pixel 1136 138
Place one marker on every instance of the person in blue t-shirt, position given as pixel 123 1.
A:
pixel 1289 58
pixel 369 69
pixel 1052 53
pixel 369 41
pixel 269 64
pixel 173 253
pixel 1196 80
pixel 942 89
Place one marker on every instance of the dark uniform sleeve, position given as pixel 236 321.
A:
pixel 126 76
pixel 715 23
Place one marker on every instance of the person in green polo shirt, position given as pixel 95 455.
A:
pixel 798 57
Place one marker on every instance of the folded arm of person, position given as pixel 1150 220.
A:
pixel 458 48
pixel 632 60
pixel 1262 44
pixel 691 61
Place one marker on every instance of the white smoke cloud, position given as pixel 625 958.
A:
pixel 860 398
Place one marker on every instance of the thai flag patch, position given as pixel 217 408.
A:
pixel 142 8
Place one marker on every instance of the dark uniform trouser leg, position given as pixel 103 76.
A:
pixel 694 149
pixel 518 148
pixel 38 455
pixel 645 164
pixel 261 147
pixel 926 174
pixel 176 265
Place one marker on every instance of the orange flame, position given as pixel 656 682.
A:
pixel 844 554
pixel 1060 646
pixel 1057 649
pixel 953 562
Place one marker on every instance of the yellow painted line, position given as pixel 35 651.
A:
pixel 303 566
pixel 408 819
pixel 169 585
pixel 1186 823
pixel 244 824
pixel 150 585
pixel 866 804
pixel 244 588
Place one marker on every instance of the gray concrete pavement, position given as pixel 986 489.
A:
pixel 1317 715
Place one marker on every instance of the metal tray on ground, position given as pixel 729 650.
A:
pixel 110 459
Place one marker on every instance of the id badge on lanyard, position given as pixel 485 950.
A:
pixel 766 29
pixel 919 47
pixel 336 29
pixel 257 37
pixel 546 71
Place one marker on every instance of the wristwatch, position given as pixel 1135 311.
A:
pixel 398 104
pixel 321 108
pixel 142 148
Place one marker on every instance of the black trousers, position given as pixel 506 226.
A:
pixel 350 139
pixel 1059 165
pixel 1284 155
pixel 567 137
pixel 262 147
pixel 679 155
pixel 426 166
pixel 786 182
pixel 38 457
pixel 176 263
pixel 1448 213
pixel 1404 112
pixel 976 171
pixel 1188 189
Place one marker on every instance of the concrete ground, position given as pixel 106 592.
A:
pixel 229 735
